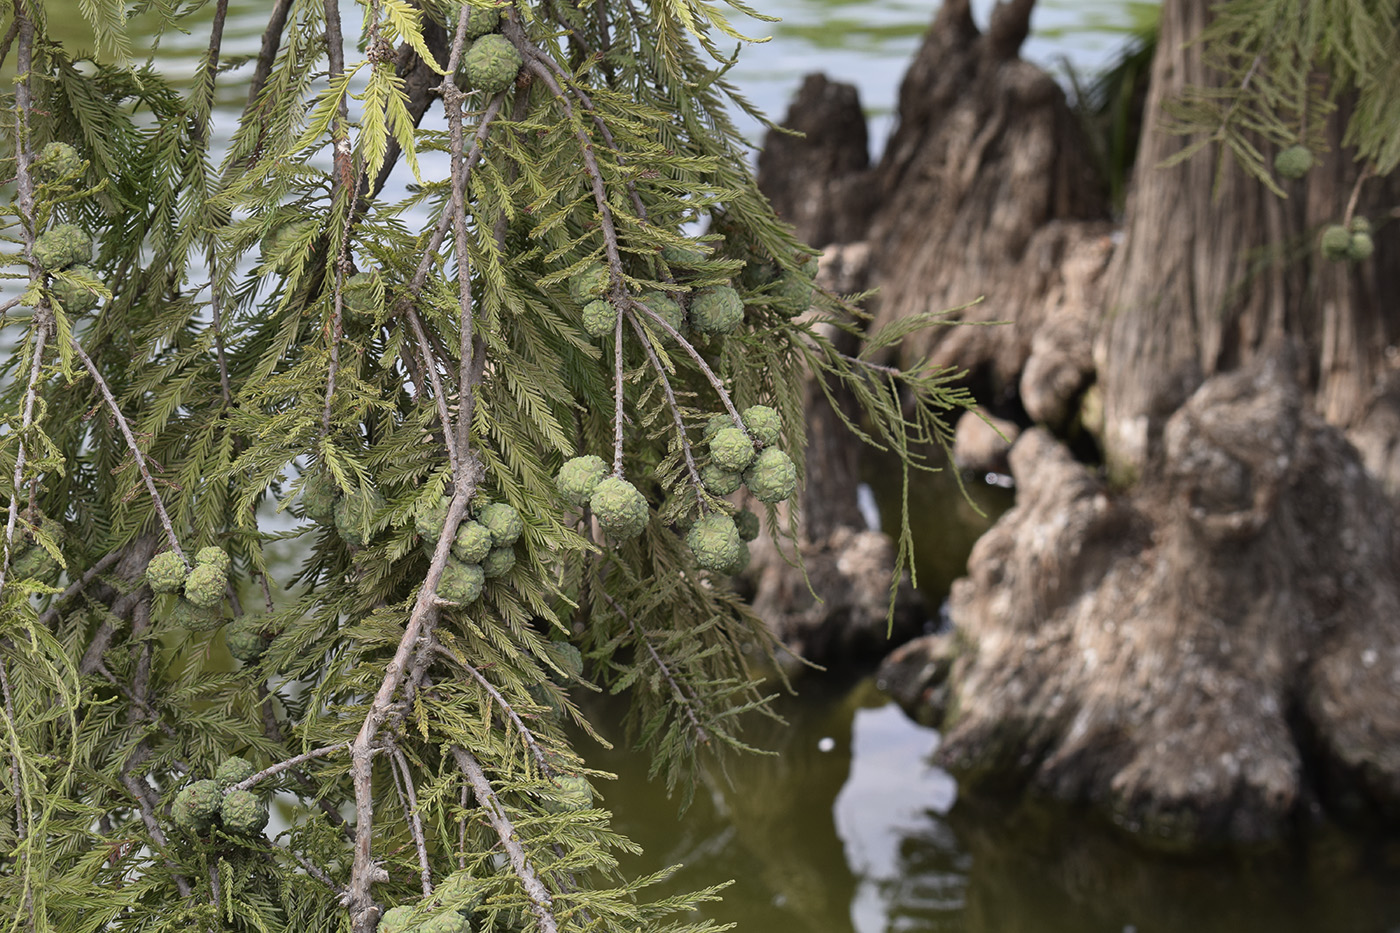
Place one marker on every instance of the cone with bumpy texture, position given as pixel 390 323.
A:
pixel 715 541
pixel 246 643
pixel 355 516
pixel 35 563
pixel 361 294
pixel 763 423
pixel 570 658
pixel 449 922
pixel 720 481
pixel 716 310
pixel 773 476
pixel 732 450
pixel 491 64
pixel 716 424
pixel 196 806
pixel 166 573
pixel 205 585
pixel 794 293
pixel 578 478
pixel 232 771
pixel 57 160
pixel 395 920
pixel 318 495
pixel 622 510
pixel 682 256
pixel 573 793
pixel 1293 162
pixel 740 561
pixel 504 523
pixel 215 557
pixel 243 813
pixel 480 21
pixel 461 583
pixel 63 246
pixel 1336 242
pixel 75 297
pixel 429 515
pixel 665 307
pixel 473 542
pixel 499 562
pixel 599 318
pixel 195 618
pixel 589 282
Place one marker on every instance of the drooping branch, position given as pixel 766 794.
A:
pixel 684 698
pixel 618 416
pixel 43 319
pixel 16 753
pixel 294 761
pixel 267 52
pixel 135 448
pixel 715 382
pixel 365 872
pixel 452 98
pixel 671 403
pixel 42 323
pixel 414 819
pixel 430 251
pixel 526 732
pixel 541 903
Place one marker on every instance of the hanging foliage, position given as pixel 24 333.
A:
pixel 326 505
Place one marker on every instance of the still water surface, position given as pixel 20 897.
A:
pixel 848 829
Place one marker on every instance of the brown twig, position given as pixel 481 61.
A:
pixel 292 762
pixel 694 354
pixel 452 98
pixel 1361 178
pixel 132 445
pixel 541 903
pixel 415 819
pixel 42 323
pixel 315 872
pixel 525 732
pixel 43 319
pixel 430 363
pixel 675 410
pixel 267 53
pixel 425 265
pixel 365 872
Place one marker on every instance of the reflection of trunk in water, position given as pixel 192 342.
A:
pixel 1039 868
pixel 796 831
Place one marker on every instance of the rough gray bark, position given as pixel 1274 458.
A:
pixel 1189 295
pixel 818 181
pixel 1196 658
pixel 983 188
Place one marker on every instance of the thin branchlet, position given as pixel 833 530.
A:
pixel 135 448
pixel 541 902
pixel 675 408
pixel 43 319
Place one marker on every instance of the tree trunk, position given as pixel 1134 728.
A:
pixel 1215 270
pixel 1209 650
pixel 981 191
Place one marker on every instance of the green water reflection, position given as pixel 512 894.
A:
pixel 848 830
